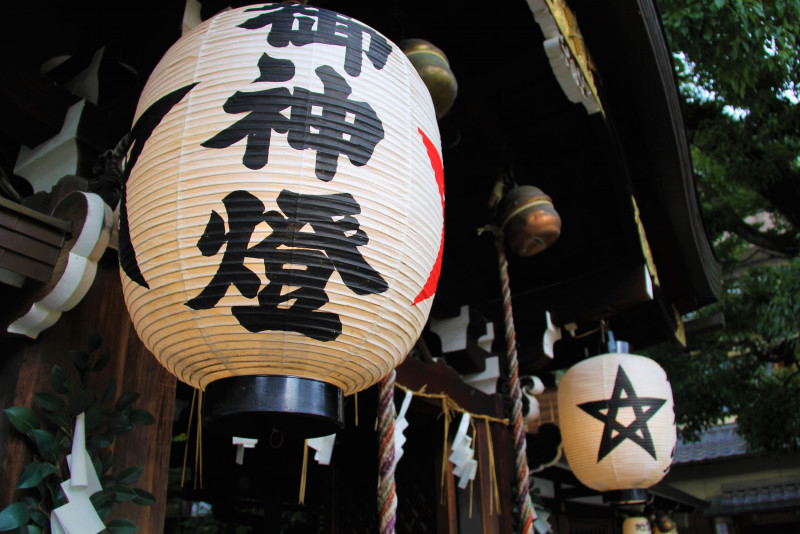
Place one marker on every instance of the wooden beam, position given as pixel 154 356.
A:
pixel 30 242
pixel 438 377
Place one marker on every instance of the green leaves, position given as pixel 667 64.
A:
pixel 748 370
pixel 106 417
pixel 121 526
pixel 109 392
pixel 102 361
pixel 123 494
pixel 130 475
pixel 94 341
pixel 125 401
pixel 49 402
pixel 58 380
pixel 142 417
pixel 80 359
pixel 101 441
pixel 80 402
pixel 13 516
pixel 735 55
pixel 23 419
pixel 738 63
pixel 46 443
pixel 143 498
pixel 35 473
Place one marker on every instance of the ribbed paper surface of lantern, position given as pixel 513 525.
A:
pixel 286 212
pixel 617 421
pixel 636 525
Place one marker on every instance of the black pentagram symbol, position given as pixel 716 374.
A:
pixel 615 432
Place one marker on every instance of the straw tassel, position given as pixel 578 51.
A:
pixel 525 506
pixel 494 496
pixel 198 453
pixel 445 453
pixel 387 490
pixel 303 475
pixel 197 400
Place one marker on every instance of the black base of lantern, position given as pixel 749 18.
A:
pixel 258 405
pixel 626 496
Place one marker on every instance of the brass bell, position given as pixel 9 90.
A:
pixel 529 220
pixel 434 69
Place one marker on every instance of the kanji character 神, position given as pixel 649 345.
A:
pixel 328 122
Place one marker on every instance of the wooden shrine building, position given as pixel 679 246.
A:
pixel 575 97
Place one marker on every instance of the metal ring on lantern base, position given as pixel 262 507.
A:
pixel 529 220
pixel 626 496
pixel 252 406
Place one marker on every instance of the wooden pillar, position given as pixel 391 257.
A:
pixel 25 367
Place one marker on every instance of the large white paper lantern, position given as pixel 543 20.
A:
pixel 617 422
pixel 282 229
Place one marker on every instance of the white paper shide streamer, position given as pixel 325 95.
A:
pixel 400 426
pixel 78 516
pixel 324 447
pixel 466 466
pixel 242 444
pixel 542 523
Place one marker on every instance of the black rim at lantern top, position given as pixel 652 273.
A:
pixel 253 406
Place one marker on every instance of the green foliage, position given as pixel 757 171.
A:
pixel 205 524
pixel 751 368
pixel 741 49
pixel 742 55
pixel 121 526
pixel 50 430
pixel 738 68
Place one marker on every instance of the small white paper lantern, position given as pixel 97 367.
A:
pixel 617 422
pixel 284 208
pixel 636 525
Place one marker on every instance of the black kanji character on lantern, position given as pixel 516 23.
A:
pixel 342 126
pixel 274 69
pixel 138 136
pixel 263 110
pixel 328 122
pixel 302 25
pixel 304 260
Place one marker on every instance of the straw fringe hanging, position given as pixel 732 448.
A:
pixel 303 474
pixel 447 413
pixel 450 404
pixel 197 400
pixel 448 407
pixel 198 456
pixel 188 433
pixel 494 496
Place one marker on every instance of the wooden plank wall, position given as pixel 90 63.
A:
pixel 25 367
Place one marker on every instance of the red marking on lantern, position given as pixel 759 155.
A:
pixel 436 162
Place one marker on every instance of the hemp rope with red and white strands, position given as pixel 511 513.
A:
pixel 387 490
pixel 524 503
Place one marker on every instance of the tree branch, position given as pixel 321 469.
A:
pixel 784 245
